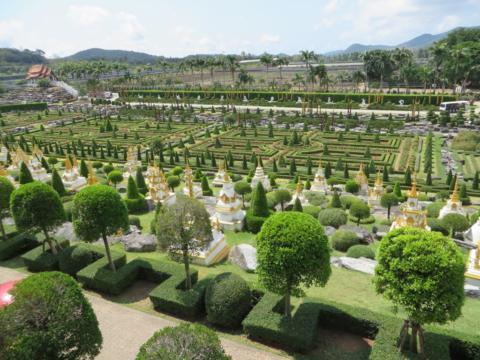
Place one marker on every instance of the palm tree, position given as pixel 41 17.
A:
pixel 358 76
pixel 267 61
pixel 425 75
pixel 280 62
pixel 307 57
pixel 232 64
pixel 298 80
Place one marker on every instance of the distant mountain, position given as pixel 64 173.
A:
pixel 8 55
pixel 422 41
pixel 134 57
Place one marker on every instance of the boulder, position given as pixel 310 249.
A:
pixel 362 264
pixel 65 231
pixel 363 234
pixel 329 230
pixel 135 241
pixel 471 290
pixel 244 256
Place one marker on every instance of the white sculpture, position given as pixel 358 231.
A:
pixel 298 194
pixel 319 183
pixel 454 205
pixel 228 210
pixel 71 179
pixel 260 177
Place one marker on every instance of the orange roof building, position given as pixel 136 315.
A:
pixel 40 71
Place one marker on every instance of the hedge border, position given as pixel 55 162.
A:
pixel 38 260
pixel 17 244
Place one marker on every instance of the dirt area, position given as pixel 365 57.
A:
pixel 341 345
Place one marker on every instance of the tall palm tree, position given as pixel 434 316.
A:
pixel 307 57
pixel 267 61
pixel 232 64
pixel 358 77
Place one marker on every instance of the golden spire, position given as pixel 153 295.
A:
pixel 298 189
pixel 413 191
pixel 68 164
pixel 378 180
pixel 92 179
pixel 221 166
pixel 361 178
pixel 455 198
pixel 3 171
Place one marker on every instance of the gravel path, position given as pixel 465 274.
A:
pixel 124 329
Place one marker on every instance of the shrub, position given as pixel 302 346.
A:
pixel 39 259
pixel 342 240
pixel 352 186
pixel 364 221
pixel 254 223
pixel 136 206
pixel 312 210
pixel 347 201
pixel 227 300
pixel 193 341
pixel 135 221
pixel 332 217
pixel 357 251
pixel 74 258
pixel 49 319
pixel 436 225
pixel 16 245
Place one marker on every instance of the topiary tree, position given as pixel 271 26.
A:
pixel 359 210
pixel 83 168
pixel 332 217
pixel 173 181
pixel 73 259
pixel 206 191
pixel 242 188
pixel 98 211
pixel 352 187
pixel 184 228
pixel 37 207
pixel 282 197
pixel 25 175
pixel 335 202
pixel 57 183
pixel 422 272
pixel 193 341
pixel 227 300
pixel 49 319
pixel 342 240
pixel 135 201
pixel 454 223
pixel 140 180
pixel 387 201
pixel 297 205
pixel 293 253
pixel 258 203
pixel 115 177
pixel 397 191
pixel 6 189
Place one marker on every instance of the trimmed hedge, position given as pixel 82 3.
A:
pixel 136 206
pixel 358 251
pixel 39 260
pixel 74 258
pixel 342 240
pixel 16 245
pixel 254 223
pixel 266 323
pixel 23 107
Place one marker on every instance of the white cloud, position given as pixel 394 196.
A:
pixel 9 29
pixel 130 26
pixel 85 15
pixel 269 39
pixel 448 23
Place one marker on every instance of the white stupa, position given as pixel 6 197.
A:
pixel 70 177
pixel 454 205
pixel 132 162
pixel 216 251
pixel 319 183
pixel 38 172
pixel 218 181
pixel 298 194
pixel 473 266
pixel 375 193
pixel 191 189
pixel 228 210
pixel 412 214
pixel 158 190
pixel 262 178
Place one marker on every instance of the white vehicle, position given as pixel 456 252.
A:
pixel 453 106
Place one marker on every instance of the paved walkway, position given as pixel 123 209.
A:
pixel 124 329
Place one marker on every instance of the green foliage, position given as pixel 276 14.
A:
pixel 433 209
pixel 115 177
pixel 25 175
pixel 173 181
pixel 38 259
pixel 332 217
pixel 72 332
pixel 342 240
pixel 6 189
pixel 359 210
pixel 193 341
pixel 254 223
pixel 297 205
pixel 258 203
pixel 227 300
pixel 206 191
pixel 57 183
pixel 83 168
pixel 387 201
pixel 312 210
pixel 292 253
pixel 74 258
pixel 454 223
pixel 352 187
pixel 335 202
pixel 140 181
pixel 17 244
pixel 423 273
pixel 358 251
pixel 282 197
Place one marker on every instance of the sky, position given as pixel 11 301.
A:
pixel 179 28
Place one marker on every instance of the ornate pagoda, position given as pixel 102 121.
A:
pixel 190 189
pixel 92 178
pixel 158 189
pixel 39 173
pixel 260 177
pixel 454 205
pixel 362 180
pixel 375 193
pixel 218 181
pixel 298 194
pixel 132 162
pixel 70 177
pixel 228 210
pixel 319 183
pixel 412 213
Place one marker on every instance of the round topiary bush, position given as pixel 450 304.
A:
pixel 193 341
pixel 135 221
pixel 342 240
pixel 73 259
pixel 358 251
pixel 332 217
pixel 227 300
pixel 347 201
pixel 312 210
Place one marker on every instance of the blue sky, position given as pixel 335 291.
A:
pixel 178 28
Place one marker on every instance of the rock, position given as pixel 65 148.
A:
pixel 363 234
pixel 362 264
pixel 244 256
pixel 139 242
pixel 329 230
pixel 65 231
pixel 471 290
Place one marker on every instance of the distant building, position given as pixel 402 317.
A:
pixel 38 72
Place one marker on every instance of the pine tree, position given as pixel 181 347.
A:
pixel 476 181
pixel 346 175
pixel 205 187
pixel 385 174
pixel 328 170
pixel 293 167
pixel 274 166
pixel 244 162
pixel 297 205
pixel 452 183
pixel 449 177
pixel 132 190
pixel 335 202
pixel 45 164
pixel 57 183
pixel 464 195
pixel 83 169
pixel 25 175
pixel 214 162
pixel 408 177
pixel 428 181
pixel 397 190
